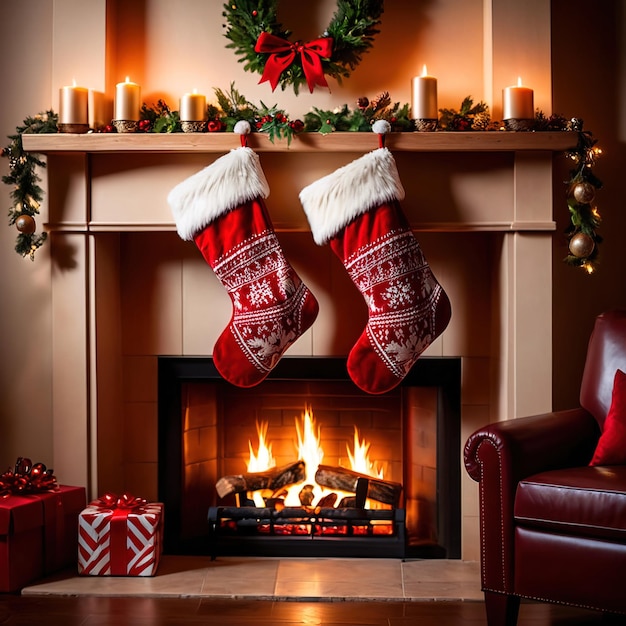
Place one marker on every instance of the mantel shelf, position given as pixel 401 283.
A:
pixel 485 141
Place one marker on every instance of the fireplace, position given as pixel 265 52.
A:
pixel 206 428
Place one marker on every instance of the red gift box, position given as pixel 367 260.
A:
pixel 120 537
pixel 38 534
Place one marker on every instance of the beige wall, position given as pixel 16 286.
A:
pixel 25 365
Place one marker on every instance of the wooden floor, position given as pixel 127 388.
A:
pixel 136 611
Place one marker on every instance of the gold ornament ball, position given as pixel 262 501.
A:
pixel 581 245
pixel 584 192
pixel 25 224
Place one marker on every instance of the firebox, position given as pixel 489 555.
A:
pixel 404 502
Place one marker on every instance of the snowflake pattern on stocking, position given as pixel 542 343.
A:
pixel 401 293
pixel 269 298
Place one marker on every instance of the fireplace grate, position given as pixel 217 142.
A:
pixel 292 531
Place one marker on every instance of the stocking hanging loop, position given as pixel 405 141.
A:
pixel 242 128
pixel 381 128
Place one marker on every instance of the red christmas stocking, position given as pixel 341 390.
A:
pixel 356 210
pixel 221 208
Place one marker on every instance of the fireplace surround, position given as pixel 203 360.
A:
pixel 195 449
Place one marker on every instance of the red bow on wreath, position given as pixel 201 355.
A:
pixel 27 478
pixel 125 501
pixel 282 54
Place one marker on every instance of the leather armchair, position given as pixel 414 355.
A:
pixel 552 527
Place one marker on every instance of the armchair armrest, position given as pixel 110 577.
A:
pixel 501 454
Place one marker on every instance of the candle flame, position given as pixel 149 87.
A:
pixel 73 82
pixel 519 81
pixel 195 91
pixel 127 79
pixel 424 70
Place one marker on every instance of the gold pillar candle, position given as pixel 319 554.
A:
pixel 518 102
pixel 127 101
pixel 73 105
pixel 424 97
pixel 193 107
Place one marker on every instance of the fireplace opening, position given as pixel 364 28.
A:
pixel 209 431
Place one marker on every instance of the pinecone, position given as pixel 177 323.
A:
pixel 382 101
pixel 481 121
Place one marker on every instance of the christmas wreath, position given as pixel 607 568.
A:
pixel 264 47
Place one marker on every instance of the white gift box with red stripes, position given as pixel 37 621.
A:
pixel 120 541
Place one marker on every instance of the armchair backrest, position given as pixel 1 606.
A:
pixel 605 355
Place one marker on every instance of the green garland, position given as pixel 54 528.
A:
pixel 27 195
pixel 360 119
pixel 352 29
pixel 584 216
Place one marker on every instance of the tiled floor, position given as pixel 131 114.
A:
pixel 283 579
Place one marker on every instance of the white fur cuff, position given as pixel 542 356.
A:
pixel 334 201
pixel 231 180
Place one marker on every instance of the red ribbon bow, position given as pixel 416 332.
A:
pixel 27 478
pixel 125 501
pixel 282 54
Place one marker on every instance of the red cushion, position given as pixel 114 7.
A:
pixel 611 448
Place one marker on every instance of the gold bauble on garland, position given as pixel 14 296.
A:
pixel 26 224
pixel 584 193
pixel 581 245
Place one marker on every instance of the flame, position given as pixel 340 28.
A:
pixel 263 459
pixel 359 460
pixel 309 450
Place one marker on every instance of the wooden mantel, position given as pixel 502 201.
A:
pixel 483 141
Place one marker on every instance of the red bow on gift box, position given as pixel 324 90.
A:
pixel 27 478
pixel 282 54
pixel 125 501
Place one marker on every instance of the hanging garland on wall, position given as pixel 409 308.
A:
pixel 26 193
pixel 263 44
pixel 584 216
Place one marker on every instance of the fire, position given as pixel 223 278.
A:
pixel 263 459
pixel 359 460
pixel 309 450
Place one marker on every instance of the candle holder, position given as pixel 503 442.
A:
pixel 424 125
pixel 73 128
pixel 519 124
pixel 125 126
pixel 193 127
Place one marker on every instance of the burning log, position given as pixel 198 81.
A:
pixel 273 479
pixel 327 501
pixel 306 495
pixel 384 491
